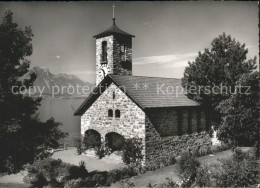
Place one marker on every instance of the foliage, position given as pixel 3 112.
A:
pixel 101 150
pixel 239 171
pixel 161 163
pixel 39 181
pixel 188 165
pixel 220 66
pixel 78 145
pixel 203 177
pixel 74 183
pixel 132 151
pixel 240 123
pixel 75 172
pixel 22 136
pixel 53 171
pixel 119 174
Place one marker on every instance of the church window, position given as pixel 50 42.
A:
pixel 117 113
pixel 110 113
pixel 122 53
pixel 189 121
pixel 114 95
pixel 198 120
pixel 104 51
pixel 179 122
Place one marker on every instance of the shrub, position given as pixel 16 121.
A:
pixel 132 151
pixel 52 170
pixel 76 172
pixel 119 174
pixel 78 145
pixel 161 162
pixel 188 165
pixel 239 171
pixel 39 181
pixel 73 183
pixel 99 180
pixel 204 177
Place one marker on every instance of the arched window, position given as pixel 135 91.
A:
pixel 117 113
pixel 110 113
pixel 122 53
pixel 114 95
pixel 104 51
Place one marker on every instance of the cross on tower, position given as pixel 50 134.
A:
pixel 113 6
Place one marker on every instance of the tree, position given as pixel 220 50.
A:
pixel 216 69
pixel 240 124
pixel 22 135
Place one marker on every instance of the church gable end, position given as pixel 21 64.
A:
pixel 114 111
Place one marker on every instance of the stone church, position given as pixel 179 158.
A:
pixel 150 108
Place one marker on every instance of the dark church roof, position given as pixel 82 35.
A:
pixel 113 30
pixel 158 92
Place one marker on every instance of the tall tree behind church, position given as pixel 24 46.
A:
pixel 222 65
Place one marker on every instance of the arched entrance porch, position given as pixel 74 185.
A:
pixel 114 141
pixel 92 139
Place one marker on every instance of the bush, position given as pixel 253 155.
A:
pixel 39 181
pixel 203 177
pixel 52 170
pixel 188 165
pixel 239 171
pixel 161 163
pixel 78 145
pixel 76 172
pixel 119 174
pixel 132 151
pixel 73 183
pixel 99 180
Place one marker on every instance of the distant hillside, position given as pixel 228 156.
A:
pixel 50 84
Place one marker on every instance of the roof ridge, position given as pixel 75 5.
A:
pixel 145 76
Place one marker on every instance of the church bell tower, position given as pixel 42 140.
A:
pixel 113 52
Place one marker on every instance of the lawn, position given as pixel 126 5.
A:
pixel 92 162
pixel 159 176
pixel 111 162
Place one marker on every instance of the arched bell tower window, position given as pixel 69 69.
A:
pixel 122 53
pixel 110 113
pixel 104 52
pixel 117 113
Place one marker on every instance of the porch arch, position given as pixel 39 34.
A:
pixel 114 141
pixel 92 138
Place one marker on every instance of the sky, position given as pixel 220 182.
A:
pixel 168 34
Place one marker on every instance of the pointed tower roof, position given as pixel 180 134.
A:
pixel 113 30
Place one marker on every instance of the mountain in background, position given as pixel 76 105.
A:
pixel 58 85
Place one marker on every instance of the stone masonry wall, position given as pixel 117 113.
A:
pixel 158 147
pixel 130 124
pixel 114 63
pixel 109 40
